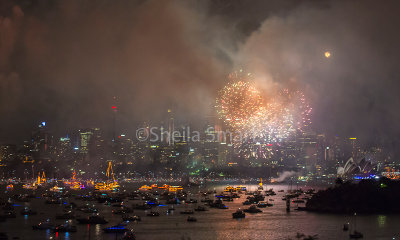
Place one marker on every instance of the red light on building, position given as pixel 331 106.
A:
pixel 114 107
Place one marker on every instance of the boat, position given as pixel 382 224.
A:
pixel 88 209
pixel 298 201
pixel 145 188
pixel 92 220
pixel 141 206
pixel 356 235
pixel 200 209
pixel 191 219
pixel 28 211
pixel 131 218
pixel 175 188
pixel 129 235
pixel 122 211
pixel 346 227
pixel 30 186
pixel 260 185
pixel 43 225
pixel 9 214
pixel 153 214
pixel 230 189
pixel 66 215
pixel 110 184
pixel 253 209
pixel 56 189
pixel 264 205
pixel 238 214
pixel 187 211
pixel 65 228
pixel 116 229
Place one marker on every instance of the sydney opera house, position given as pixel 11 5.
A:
pixel 353 167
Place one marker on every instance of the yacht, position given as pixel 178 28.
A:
pixel 131 218
pixel 92 220
pixel 238 214
pixel 65 228
pixel 253 209
pixel 116 229
pixel 187 211
pixel 28 211
pixel 43 225
pixel 356 235
pixel 153 214
pixel 200 209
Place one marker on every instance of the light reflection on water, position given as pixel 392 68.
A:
pixel 381 221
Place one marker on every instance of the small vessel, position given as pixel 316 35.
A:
pixel 153 214
pixel 264 205
pixel 346 227
pixel 56 189
pixel 129 235
pixel 187 211
pixel 65 228
pixel 92 220
pixel 355 234
pixel 191 219
pixel 253 209
pixel 122 211
pixel 131 218
pixel 28 211
pixel 66 215
pixel 43 225
pixel 9 214
pixel 238 214
pixel 116 229
pixel 260 185
pixel 298 201
pixel 200 209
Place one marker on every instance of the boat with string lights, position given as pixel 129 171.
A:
pixel 111 184
pixel 74 183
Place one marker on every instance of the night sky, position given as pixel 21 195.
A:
pixel 64 61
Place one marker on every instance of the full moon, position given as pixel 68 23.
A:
pixel 327 54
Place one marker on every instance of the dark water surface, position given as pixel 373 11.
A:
pixel 273 223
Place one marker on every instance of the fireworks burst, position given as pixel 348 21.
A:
pixel 239 102
pixel 245 111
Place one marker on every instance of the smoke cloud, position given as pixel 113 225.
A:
pixel 284 175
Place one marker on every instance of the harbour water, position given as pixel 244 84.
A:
pixel 273 223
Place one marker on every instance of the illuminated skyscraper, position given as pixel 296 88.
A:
pixel 41 142
pixel 85 138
